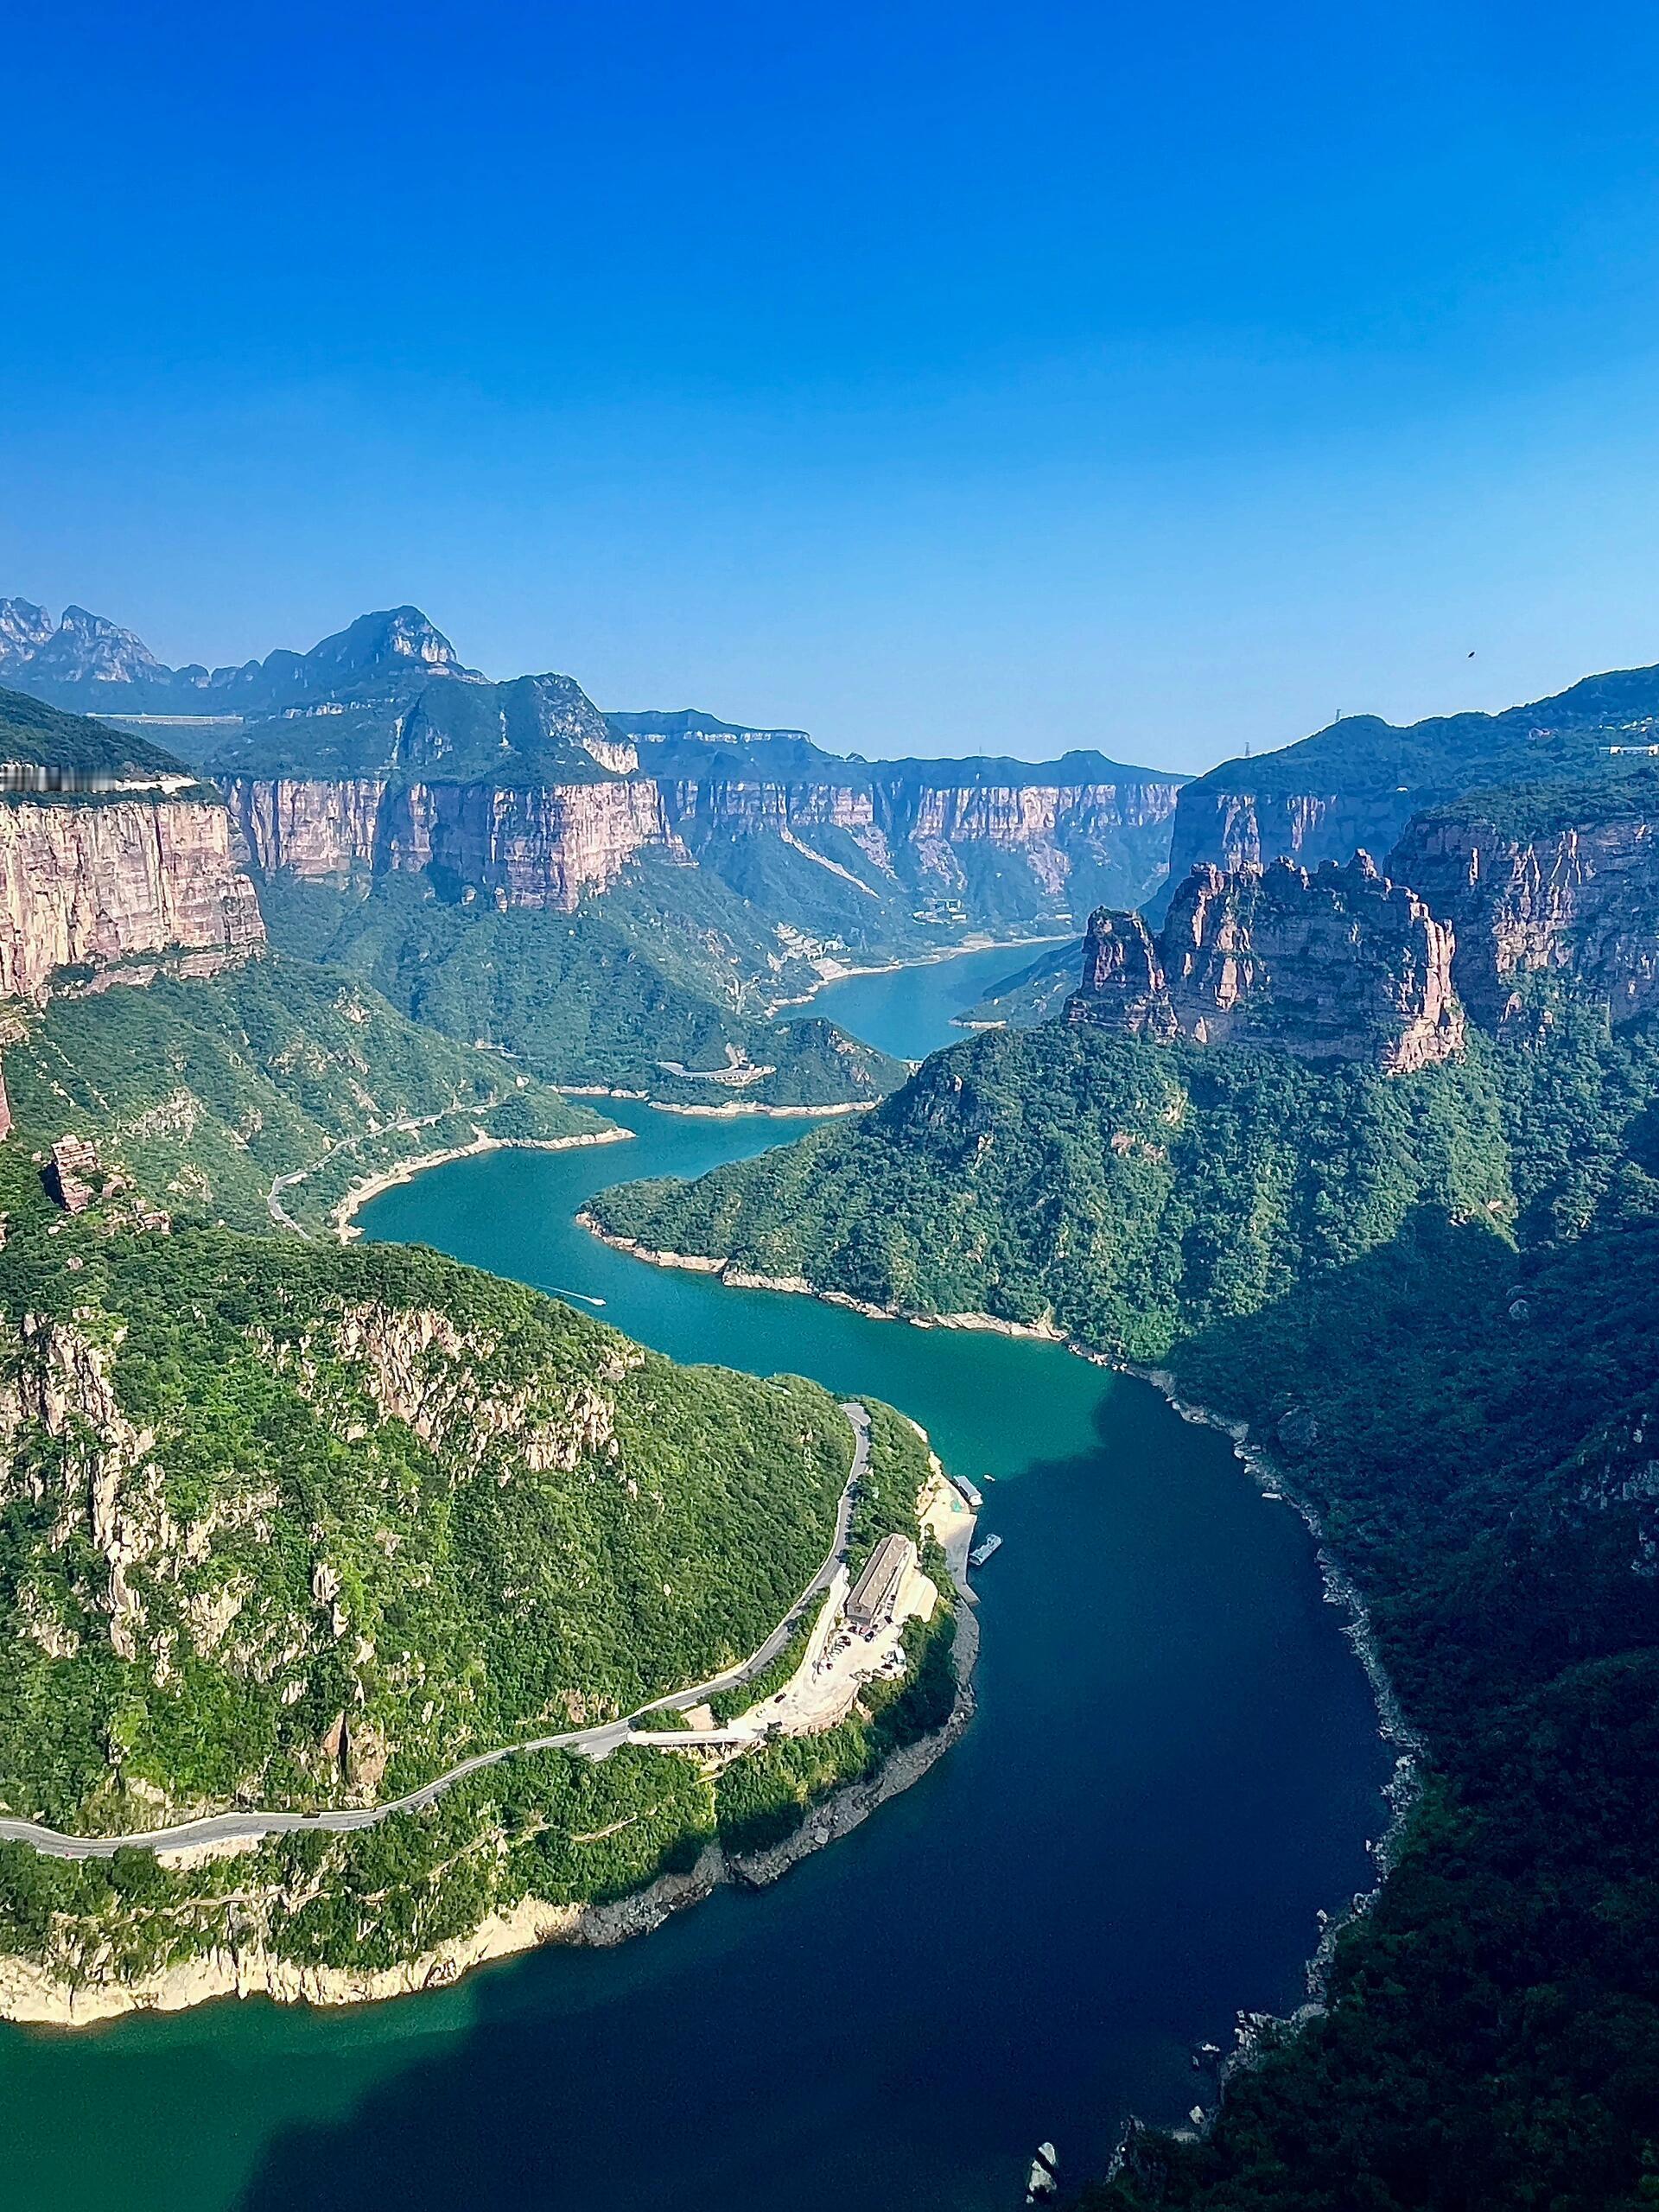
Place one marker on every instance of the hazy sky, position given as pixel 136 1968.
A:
pixel 939 377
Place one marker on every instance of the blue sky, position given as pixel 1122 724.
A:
pixel 941 378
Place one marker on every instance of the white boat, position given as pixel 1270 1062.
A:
pixel 981 1552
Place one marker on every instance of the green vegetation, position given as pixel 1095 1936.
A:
pixel 1620 791
pixel 762 1798
pixel 1036 994
pixel 43 737
pixel 1436 1300
pixel 379 1483
pixel 725 1705
pixel 411 725
pixel 207 1091
pixel 294 1526
pixel 1492 2035
pixel 610 995
pixel 1120 1191
pixel 1567 734
pixel 549 1825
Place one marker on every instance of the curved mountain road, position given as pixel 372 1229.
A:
pixel 594 1743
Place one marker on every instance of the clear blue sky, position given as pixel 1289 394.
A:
pixel 940 377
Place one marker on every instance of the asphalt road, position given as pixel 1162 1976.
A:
pixel 594 1742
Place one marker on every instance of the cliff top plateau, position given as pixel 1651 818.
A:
pixel 1580 725
pixel 72 752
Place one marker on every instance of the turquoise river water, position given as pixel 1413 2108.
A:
pixel 1175 1762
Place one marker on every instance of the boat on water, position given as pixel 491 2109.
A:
pixel 981 1552
pixel 1042 2183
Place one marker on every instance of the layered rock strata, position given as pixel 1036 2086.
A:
pixel 544 846
pixel 547 845
pixel 1341 965
pixel 1581 900
pixel 1230 829
pixel 98 882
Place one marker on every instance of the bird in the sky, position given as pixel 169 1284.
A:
pixel 1471 656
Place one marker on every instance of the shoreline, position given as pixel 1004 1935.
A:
pixel 1400 1792
pixel 735 1108
pixel 32 1996
pixel 341 1216
pixel 923 960
pixel 724 1112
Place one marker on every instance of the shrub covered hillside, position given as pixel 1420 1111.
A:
pixel 1120 1190
pixel 1491 2041
pixel 1436 1302
pixel 1128 1193
pixel 660 975
pixel 207 1090
pixel 289 1526
pixel 252 1487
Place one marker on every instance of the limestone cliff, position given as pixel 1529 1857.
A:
pixel 1228 829
pixel 1576 895
pixel 1341 965
pixel 1359 781
pixel 544 846
pixel 981 852
pixel 102 880
pixel 377 752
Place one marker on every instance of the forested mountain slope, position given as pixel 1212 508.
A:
pixel 1357 783
pixel 1121 1191
pixel 205 1091
pixel 1434 1299
pixel 286 1525
pixel 624 997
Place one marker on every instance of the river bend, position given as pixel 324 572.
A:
pixel 1174 1765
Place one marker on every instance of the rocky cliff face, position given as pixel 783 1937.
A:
pixel 378 752
pixel 547 845
pixel 1226 829
pixel 103 880
pixel 1578 898
pixel 541 847
pixel 1339 964
pixel 1357 783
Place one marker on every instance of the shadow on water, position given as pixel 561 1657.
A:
pixel 1173 1766
pixel 1167 1776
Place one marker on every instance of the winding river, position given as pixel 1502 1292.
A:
pixel 1175 1762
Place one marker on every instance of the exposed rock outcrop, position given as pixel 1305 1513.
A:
pixel 377 752
pixel 1359 781
pixel 545 846
pixel 1578 898
pixel 109 1490
pixel 98 882
pixel 1218 827
pixel 1341 965
pixel 907 836
pixel 1123 968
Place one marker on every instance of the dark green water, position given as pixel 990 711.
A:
pixel 1174 1764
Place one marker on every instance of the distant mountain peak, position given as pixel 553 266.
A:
pixel 81 648
pixel 24 628
pixel 386 638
